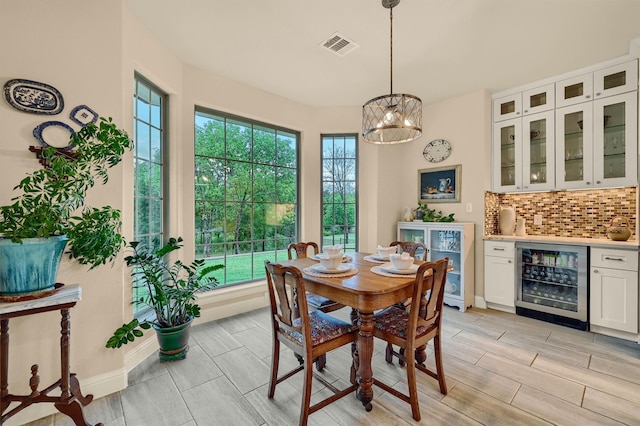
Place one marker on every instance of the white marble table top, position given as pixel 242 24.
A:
pixel 67 294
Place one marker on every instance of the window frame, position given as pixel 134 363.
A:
pixel 278 253
pixel 325 241
pixel 142 311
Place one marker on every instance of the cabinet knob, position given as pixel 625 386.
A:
pixel 595 271
pixel 598 182
pixel 526 110
pixel 518 113
pixel 598 94
pixel 509 261
pixel 588 183
pixel 587 97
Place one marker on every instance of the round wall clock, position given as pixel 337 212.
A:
pixel 437 150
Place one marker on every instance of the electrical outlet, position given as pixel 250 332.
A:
pixel 537 219
pixel 469 208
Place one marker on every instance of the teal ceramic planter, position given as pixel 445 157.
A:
pixel 30 267
pixel 173 341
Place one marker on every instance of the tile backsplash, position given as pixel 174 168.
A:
pixel 582 214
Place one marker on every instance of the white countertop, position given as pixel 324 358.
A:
pixel 592 242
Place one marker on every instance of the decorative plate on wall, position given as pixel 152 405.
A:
pixel 437 150
pixel 34 97
pixel 56 126
pixel 83 115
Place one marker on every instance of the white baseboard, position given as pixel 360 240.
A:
pixel 217 304
pixel 480 302
pixel 634 337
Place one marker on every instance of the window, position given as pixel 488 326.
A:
pixel 339 191
pixel 149 137
pixel 246 193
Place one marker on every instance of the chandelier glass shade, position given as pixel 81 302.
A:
pixel 393 118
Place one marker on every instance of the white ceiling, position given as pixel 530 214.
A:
pixel 441 48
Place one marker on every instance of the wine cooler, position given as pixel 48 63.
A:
pixel 552 283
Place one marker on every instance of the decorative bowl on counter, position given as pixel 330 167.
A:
pixel 619 232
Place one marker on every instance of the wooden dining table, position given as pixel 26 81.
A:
pixel 365 292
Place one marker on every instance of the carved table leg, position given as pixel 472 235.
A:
pixel 74 410
pixel 365 354
pixel 354 351
pixel 4 364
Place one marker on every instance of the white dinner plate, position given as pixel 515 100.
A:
pixel 345 258
pixel 388 267
pixel 322 269
pixel 378 257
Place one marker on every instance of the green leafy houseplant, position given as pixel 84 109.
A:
pixel 431 215
pixel 168 288
pixel 52 198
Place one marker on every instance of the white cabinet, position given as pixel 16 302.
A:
pixel 455 241
pixel 507 155
pixel 614 291
pixel 499 275
pixel 616 79
pixel 578 132
pixel 525 150
pixel 538 146
pixel 596 143
pixel 507 107
pixel 574 90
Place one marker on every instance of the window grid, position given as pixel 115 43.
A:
pixel 339 190
pixel 149 135
pixel 246 193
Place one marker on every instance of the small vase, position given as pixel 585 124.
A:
pixel 521 227
pixel 408 214
pixel 507 220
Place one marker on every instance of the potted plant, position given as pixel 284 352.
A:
pixel 169 289
pixel 431 215
pixel 50 213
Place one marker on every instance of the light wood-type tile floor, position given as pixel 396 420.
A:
pixel 501 369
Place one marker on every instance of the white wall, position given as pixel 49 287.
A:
pixel 464 121
pixel 91 59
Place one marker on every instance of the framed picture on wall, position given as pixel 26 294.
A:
pixel 440 184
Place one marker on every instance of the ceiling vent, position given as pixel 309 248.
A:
pixel 339 45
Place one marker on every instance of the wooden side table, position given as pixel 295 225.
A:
pixel 70 396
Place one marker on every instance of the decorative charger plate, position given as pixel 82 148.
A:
pixel 34 97
pixel 388 267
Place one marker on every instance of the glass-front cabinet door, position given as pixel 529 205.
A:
pixel 538 167
pixel 507 107
pixel 448 243
pixel 615 133
pixel 507 155
pixel 615 80
pixel 574 146
pixel 538 100
pixel 574 90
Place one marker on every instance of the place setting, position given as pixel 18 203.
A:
pixel 332 250
pixel 400 265
pixel 331 264
pixel 382 255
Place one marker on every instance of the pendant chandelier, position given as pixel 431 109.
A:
pixel 396 117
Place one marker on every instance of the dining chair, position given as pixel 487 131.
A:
pixel 315 301
pixel 412 330
pixel 309 334
pixel 411 248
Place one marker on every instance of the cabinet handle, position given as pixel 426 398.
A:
pixel 526 110
pixel 598 94
pixel 518 113
pixel 498 248
pixel 587 97
pixel 617 259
